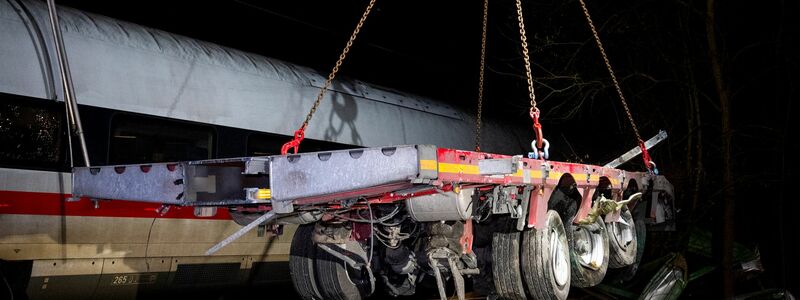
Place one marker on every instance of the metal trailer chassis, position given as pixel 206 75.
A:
pixel 353 197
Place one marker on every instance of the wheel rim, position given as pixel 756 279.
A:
pixel 623 232
pixel 558 256
pixel 588 247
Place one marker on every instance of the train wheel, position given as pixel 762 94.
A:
pixel 338 281
pixel 588 253
pixel 301 263
pixel 545 260
pixel 506 265
pixel 622 241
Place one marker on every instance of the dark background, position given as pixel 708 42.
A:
pixel 660 53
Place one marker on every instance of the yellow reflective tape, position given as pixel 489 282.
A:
pixel 427 164
pixel 264 194
pixel 534 174
pixel 458 168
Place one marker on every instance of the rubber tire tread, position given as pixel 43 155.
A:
pixel 536 260
pixel 301 263
pixel 619 257
pixel 506 265
pixel 332 277
pixel 583 277
pixel 627 273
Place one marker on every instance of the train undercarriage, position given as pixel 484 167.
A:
pixel 382 221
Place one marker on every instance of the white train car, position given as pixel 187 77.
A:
pixel 146 95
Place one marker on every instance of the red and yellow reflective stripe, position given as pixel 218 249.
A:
pixel 467 169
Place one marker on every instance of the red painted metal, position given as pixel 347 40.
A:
pixel 299 135
pixel 537 128
pixel 55 204
pixel 645 155
pixel 586 203
pixel 467 237
pixel 361 231
pixel 537 210
pixel 461 168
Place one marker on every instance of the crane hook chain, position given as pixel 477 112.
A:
pixel 540 143
pixel 648 162
pixel 299 135
pixel 480 77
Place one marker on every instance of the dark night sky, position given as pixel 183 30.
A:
pixel 659 50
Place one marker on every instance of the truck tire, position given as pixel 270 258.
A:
pixel 336 280
pixel 626 273
pixel 545 260
pixel 506 265
pixel 588 246
pixel 301 263
pixel 622 242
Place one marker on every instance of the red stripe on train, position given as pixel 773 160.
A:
pixel 34 203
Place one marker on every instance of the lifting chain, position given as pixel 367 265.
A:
pixel 480 78
pixel 299 135
pixel 648 162
pixel 540 144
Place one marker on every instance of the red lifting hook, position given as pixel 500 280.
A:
pixel 299 135
pixel 537 128
pixel 645 155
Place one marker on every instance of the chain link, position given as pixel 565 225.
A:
pixel 338 64
pixel 480 78
pixel 524 39
pixel 610 70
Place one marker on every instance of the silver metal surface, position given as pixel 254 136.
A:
pixel 326 176
pixel 265 218
pixel 622 231
pixel 499 166
pixel 130 182
pixel 201 183
pixel 559 258
pixel 589 247
pixel 504 201
pixel 326 173
pixel 73 116
pixel 205 211
pixel 662 135
pixel 448 206
pixel 257 165
pixel 428 153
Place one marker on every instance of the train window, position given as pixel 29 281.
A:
pixel 262 144
pixel 139 139
pixel 31 133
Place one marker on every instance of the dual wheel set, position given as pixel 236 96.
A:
pixel 545 263
pixel 534 263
